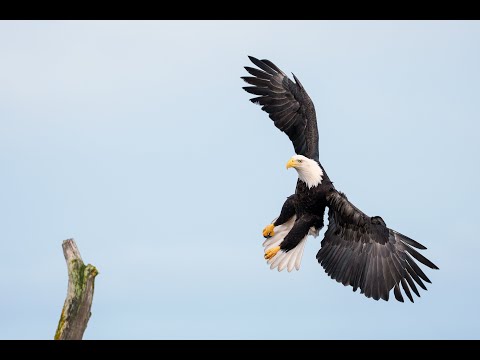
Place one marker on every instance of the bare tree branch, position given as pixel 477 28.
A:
pixel 81 281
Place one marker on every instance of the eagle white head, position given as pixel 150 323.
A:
pixel 308 170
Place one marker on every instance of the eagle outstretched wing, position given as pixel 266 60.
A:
pixel 363 252
pixel 287 104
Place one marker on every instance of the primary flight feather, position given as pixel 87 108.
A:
pixel 357 250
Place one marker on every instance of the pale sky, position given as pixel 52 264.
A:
pixel 136 139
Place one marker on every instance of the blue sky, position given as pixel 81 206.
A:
pixel 136 139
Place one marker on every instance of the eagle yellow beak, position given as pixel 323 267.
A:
pixel 290 163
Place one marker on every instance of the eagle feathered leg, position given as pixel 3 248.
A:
pixel 299 230
pixel 288 210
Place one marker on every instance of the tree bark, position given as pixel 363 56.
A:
pixel 81 281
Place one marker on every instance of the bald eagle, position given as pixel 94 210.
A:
pixel 357 250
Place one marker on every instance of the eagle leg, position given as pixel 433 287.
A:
pixel 300 229
pixel 268 231
pixel 288 210
pixel 271 252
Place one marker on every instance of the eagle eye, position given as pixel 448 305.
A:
pixel 299 160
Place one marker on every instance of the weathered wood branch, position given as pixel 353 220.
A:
pixel 81 281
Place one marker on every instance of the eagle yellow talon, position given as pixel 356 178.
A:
pixel 271 253
pixel 268 231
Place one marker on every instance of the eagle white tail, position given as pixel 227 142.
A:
pixel 291 259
